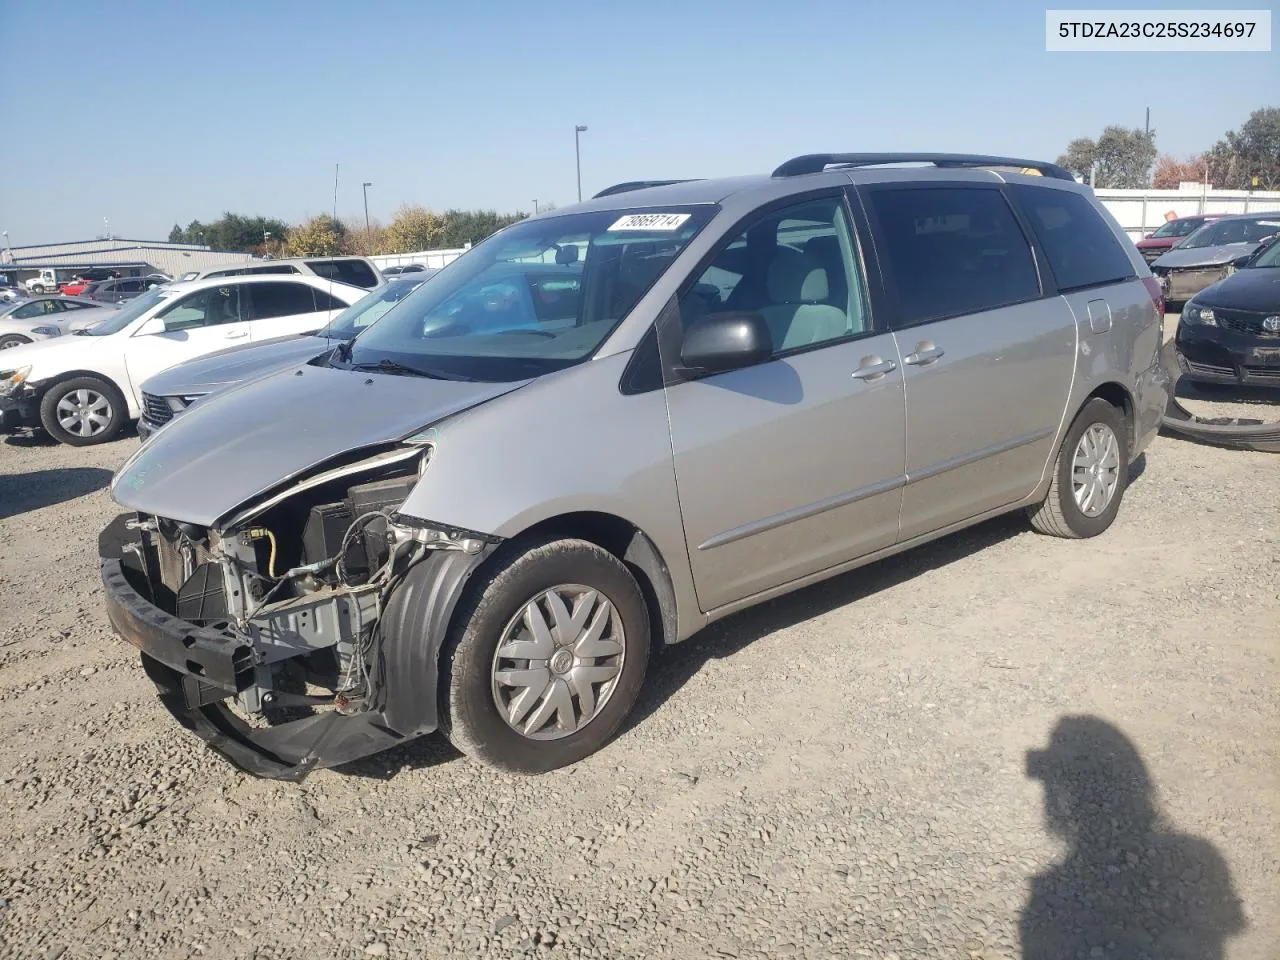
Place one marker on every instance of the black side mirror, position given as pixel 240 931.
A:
pixel 725 341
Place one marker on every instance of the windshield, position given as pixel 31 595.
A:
pixel 130 312
pixel 1269 257
pixel 536 297
pixel 1231 231
pixel 1176 228
pixel 367 310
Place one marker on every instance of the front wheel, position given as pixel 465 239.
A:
pixel 1089 476
pixel 37 288
pixel 546 659
pixel 83 411
pixel 13 340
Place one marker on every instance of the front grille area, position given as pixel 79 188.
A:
pixel 1244 322
pixel 1263 373
pixel 1209 368
pixel 156 409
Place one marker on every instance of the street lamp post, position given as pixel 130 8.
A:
pixel 365 186
pixel 535 209
pixel 578 130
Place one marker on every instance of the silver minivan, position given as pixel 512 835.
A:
pixel 605 427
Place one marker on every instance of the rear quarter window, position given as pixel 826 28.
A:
pixel 355 272
pixel 1081 249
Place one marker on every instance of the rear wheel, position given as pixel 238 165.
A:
pixel 1089 477
pixel 83 411
pixel 546 659
pixel 13 340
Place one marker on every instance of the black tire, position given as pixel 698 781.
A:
pixel 13 340
pixel 37 288
pixel 469 715
pixel 1058 514
pixel 117 411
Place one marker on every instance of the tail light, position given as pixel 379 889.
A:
pixel 1157 294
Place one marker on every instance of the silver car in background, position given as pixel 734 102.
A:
pixel 607 426
pixel 1213 252
pixel 43 317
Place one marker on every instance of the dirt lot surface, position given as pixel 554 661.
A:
pixel 848 772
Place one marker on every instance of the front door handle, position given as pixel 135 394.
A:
pixel 925 353
pixel 873 368
pixel 237 336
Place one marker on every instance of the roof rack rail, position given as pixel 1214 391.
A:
pixel 817 162
pixel 630 185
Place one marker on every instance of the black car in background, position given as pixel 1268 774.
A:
pixel 1230 332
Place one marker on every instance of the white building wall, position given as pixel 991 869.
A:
pixel 1142 211
pixel 428 258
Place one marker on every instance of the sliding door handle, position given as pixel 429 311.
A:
pixel 925 353
pixel 873 368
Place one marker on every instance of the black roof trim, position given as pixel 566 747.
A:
pixel 630 185
pixel 817 162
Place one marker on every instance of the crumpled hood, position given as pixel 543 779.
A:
pixel 1255 289
pixel 235 365
pixel 1178 258
pixel 250 438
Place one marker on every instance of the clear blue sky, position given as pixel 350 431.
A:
pixel 150 113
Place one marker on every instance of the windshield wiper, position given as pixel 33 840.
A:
pixel 396 367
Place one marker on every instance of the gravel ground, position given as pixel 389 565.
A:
pixel 842 773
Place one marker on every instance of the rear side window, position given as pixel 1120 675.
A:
pixel 325 302
pixel 952 250
pixel 273 268
pixel 1081 249
pixel 355 272
pixel 281 300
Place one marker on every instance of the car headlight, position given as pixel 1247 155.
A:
pixel 48 331
pixel 1194 313
pixel 10 380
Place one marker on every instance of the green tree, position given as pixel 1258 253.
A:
pixel 176 235
pixel 320 236
pixel 415 228
pixel 1121 157
pixel 472 226
pixel 1253 151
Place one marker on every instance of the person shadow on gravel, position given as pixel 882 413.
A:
pixel 1130 887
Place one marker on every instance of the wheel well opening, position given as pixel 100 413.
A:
pixel 1118 397
pixel 630 545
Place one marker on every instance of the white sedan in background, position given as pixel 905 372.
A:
pixel 82 386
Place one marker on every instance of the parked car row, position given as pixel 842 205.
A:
pixel 1212 252
pixel 375 504
pixel 83 385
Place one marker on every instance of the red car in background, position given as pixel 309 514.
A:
pixel 77 284
pixel 1154 245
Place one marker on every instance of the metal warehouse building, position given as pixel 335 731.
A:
pixel 174 259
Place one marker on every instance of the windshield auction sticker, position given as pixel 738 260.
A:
pixel 649 221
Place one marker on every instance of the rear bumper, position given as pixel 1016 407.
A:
pixel 1153 392
pixel 195 668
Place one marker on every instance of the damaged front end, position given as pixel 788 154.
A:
pixel 303 630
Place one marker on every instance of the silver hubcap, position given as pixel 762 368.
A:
pixel 558 662
pixel 1095 469
pixel 84 413
pixel 8 342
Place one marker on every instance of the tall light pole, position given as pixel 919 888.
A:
pixel 7 249
pixel 365 187
pixel 578 130
pixel 535 209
